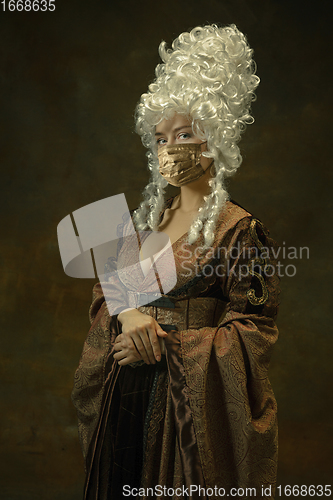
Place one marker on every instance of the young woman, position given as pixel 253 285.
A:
pixel 172 396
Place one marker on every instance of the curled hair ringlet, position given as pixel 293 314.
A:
pixel 208 75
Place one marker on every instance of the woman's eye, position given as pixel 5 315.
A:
pixel 161 141
pixel 183 136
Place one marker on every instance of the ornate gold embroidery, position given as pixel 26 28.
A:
pixel 257 261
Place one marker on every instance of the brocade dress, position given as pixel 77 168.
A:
pixel 205 415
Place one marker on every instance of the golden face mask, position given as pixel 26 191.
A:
pixel 180 163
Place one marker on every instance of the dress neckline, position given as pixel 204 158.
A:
pixel 168 204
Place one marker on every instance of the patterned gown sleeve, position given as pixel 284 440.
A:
pixel 90 376
pixel 232 402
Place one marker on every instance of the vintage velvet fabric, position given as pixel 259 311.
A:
pixel 206 415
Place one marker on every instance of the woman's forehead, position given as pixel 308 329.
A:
pixel 173 123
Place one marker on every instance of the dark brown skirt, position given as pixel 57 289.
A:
pixel 116 459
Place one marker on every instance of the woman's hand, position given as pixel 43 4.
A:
pixel 140 338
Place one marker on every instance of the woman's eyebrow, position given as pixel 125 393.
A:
pixel 175 129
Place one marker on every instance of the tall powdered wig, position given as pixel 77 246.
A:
pixel 208 76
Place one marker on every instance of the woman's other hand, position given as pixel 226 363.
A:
pixel 140 338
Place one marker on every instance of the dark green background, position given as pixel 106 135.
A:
pixel 70 81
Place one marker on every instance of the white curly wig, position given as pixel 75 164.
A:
pixel 208 76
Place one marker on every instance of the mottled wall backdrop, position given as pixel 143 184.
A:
pixel 70 80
